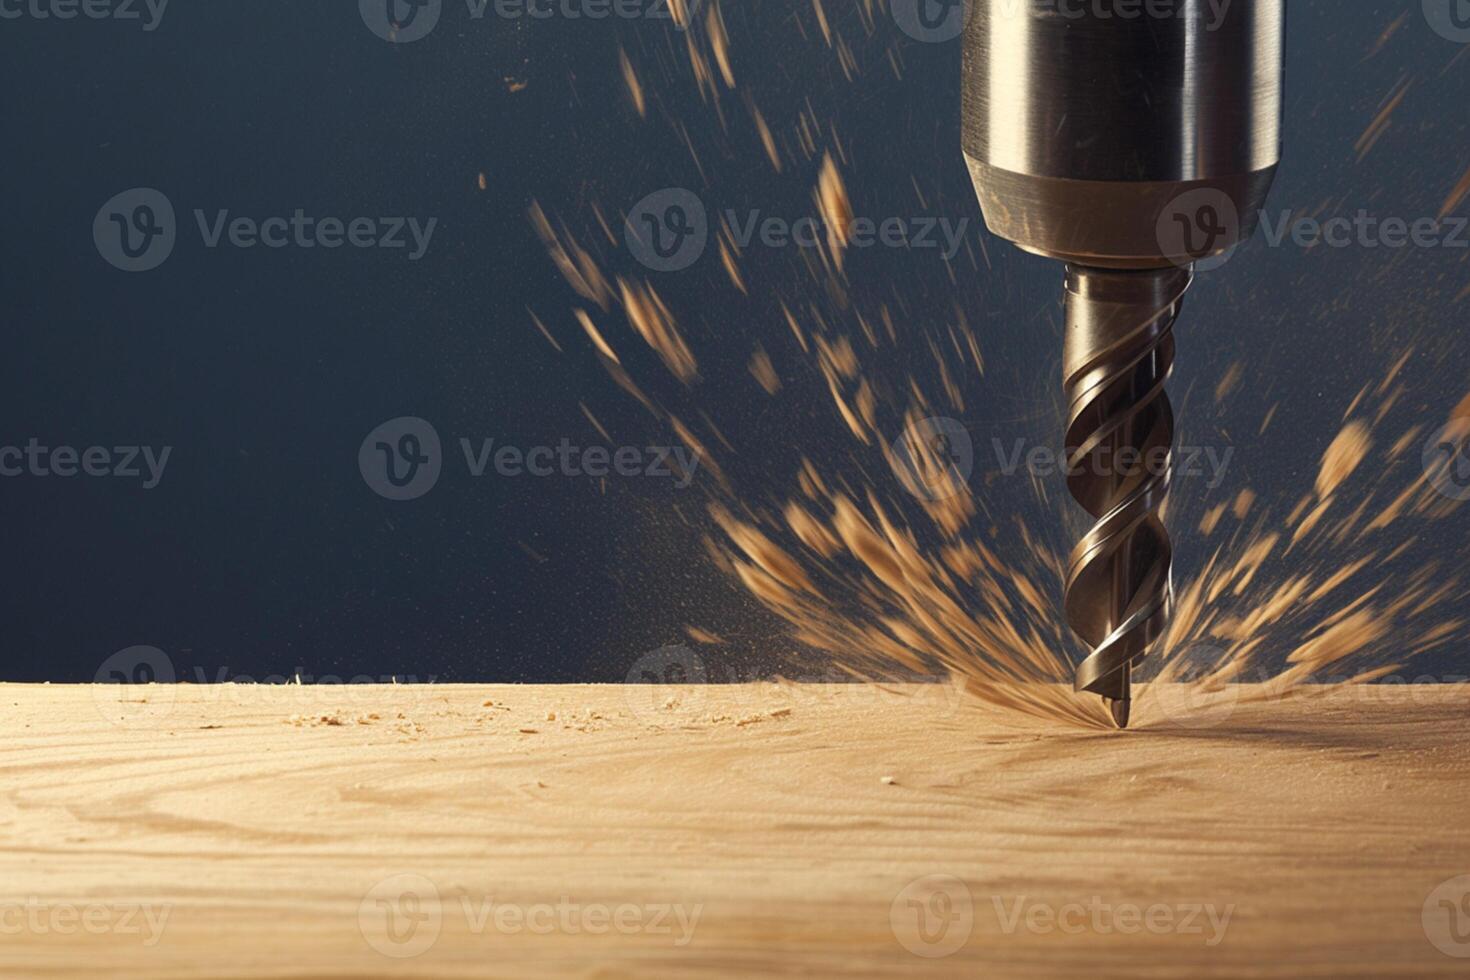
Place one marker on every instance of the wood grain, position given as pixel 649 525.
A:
pixel 793 822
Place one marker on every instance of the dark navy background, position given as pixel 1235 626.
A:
pixel 263 550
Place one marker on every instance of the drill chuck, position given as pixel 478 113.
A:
pixel 1082 126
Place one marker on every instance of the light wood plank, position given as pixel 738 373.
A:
pixel 792 820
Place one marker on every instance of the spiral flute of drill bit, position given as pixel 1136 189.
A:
pixel 1119 354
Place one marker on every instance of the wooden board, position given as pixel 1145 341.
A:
pixel 161 832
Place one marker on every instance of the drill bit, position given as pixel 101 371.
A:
pixel 1129 149
pixel 1118 355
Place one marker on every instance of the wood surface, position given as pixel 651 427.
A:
pixel 800 831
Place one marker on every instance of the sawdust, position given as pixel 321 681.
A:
pixel 912 575
pixel 889 561
pixel 835 208
pixel 764 371
pixel 655 324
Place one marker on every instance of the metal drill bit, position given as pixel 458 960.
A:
pixel 1130 149
pixel 1118 355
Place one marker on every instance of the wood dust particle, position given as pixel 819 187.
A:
pixel 592 334
pixel 316 721
pixel 1342 457
pixel 635 88
pixel 764 371
pixel 835 207
pixel 651 318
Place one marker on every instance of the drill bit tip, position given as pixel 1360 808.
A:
pixel 1120 708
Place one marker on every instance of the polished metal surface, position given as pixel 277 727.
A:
pixel 1117 357
pixel 1082 125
